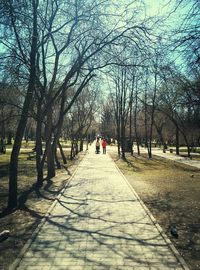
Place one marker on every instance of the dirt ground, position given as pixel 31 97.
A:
pixel 34 204
pixel 171 191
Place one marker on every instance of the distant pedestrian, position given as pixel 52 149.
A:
pixel 97 146
pixel 3 145
pixel 104 143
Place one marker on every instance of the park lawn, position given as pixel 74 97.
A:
pixel 171 191
pixel 34 203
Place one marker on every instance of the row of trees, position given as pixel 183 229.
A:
pixel 154 97
pixel 164 115
pixel 55 57
pixel 52 51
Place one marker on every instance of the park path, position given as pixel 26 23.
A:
pixel 99 223
pixel 172 156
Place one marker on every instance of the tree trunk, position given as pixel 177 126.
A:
pixel 62 153
pixel 56 159
pixel 72 154
pixel 177 141
pixel 149 149
pixel 50 154
pixel 161 139
pixel 187 144
pixel 123 139
pixel 145 120
pixel 146 134
pixel 188 150
pixel 76 147
pixel 130 130
pixel 135 121
pixel 9 141
pixel 81 144
pixel 38 148
pixel 13 167
pixel 118 139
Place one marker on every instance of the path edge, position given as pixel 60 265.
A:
pixel 159 228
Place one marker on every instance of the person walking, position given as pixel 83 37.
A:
pixel 3 145
pixel 97 146
pixel 104 143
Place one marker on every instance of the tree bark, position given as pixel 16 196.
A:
pixel 9 141
pixel 50 154
pixel 135 121
pixel 177 141
pixel 81 144
pixel 123 139
pixel 13 167
pixel 62 153
pixel 56 159
pixel 39 164
pixel 72 154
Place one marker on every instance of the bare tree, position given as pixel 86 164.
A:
pixel 16 20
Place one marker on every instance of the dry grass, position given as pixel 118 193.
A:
pixel 171 191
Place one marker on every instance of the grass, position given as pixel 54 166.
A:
pixel 33 202
pixel 171 191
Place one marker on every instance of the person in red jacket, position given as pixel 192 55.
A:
pixel 104 143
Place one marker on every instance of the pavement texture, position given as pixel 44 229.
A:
pixel 99 223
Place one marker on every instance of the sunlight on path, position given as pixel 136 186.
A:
pixel 98 224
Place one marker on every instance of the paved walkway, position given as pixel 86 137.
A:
pixel 98 223
pixel 171 156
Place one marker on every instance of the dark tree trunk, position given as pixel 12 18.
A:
pixel 149 149
pixel 118 140
pixel 160 135
pixel 146 136
pixel 50 153
pixel 145 121
pixel 177 141
pixel 188 150
pixel 81 145
pixel 72 153
pixel 130 129
pixel 123 139
pixel 9 141
pixel 76 147
pixel 56 159
pixel 62 153
pixel 135 122
pixel 38 148
pixel 187 144
pixel 13 167
pixel 138 145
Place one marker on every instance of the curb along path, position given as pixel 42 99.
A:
pixel 99 223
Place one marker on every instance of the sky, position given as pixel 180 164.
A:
pixel 153 8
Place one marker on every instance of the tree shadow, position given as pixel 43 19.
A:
pixel 66 169
pixel 4 170
pixel 25 195
pixel 106 240
pixel 34 190
pixel 131 164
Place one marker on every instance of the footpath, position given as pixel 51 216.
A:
pixel 99 223
pixel 171 156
